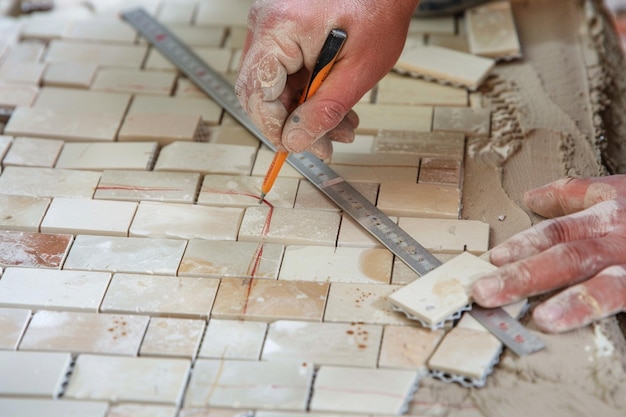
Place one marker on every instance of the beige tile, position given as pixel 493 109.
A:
pixel 208 36
pixel 185 221
pixel 264 159
pixel 185 88
pixel 26 50
pixel 486 20
pixel 455 42
pixel 44 28
pixel 243 191
pixel 304 414
pixel 247 384
pixel 47 182
pixel 204 107
pixel 159 295
pixel 141 410
pixel 206 158
pixel 402 274
pixel 344 389
pixel 353 235
pixel 179 11
pixel 426 144
pixel 373 117
pixel 233 339
pixel 134 81
pixel 77 332
pixel 38 250
pixel 223 13
pixel 87 216
pixel 69 74
pixel 408 347
pixel 101 156
pixel 445 65
pixel 404 90
pixel 442 292
pixel 329 264
pixel 217 58
pixel 310 197
pixel 433 25
pixel 364 303
pixel 236 36
pixel 296 226
pixel 215 412
pixel 268 300
pixel 361 144
pixel 21 72
pixel 52 289
pixel 113 378
pixel 471 122
pixel 217 259
pixel 375 174
pixel 172 337
pixel 22 213
pixel 14 95
pixel 83 101
pixel 165 128
pixel 122 254
pixel 33 374
pixel 36 407
pixel 168 187
pixel 33 152
pixel 5 144
pixel 342 344
pixel 448 236
pixel 232 135
pixel 103 55
pixel 101 30
pixel 13 322
pixel 441 171
pixel 406 199
pixel 406 160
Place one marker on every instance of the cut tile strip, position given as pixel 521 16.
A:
pixel 33 374
pixel 233 339
pixel 491 31
pixel 409 199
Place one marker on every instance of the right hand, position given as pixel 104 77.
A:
pixel 283 41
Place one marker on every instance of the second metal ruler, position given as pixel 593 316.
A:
pixel 414 255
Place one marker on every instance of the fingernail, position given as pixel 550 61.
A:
pixel 548 313
pixel 500 255
pixel 298 140
pixel 486 288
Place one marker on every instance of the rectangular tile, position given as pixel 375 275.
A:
pixel 22 213
pixel 164 128
pixel 243 191
pixel 217 58
pixel 408 347
pixel 365 173
pixel 141 410
pixel 109 55
pixel 69 74
pixel 17 95
pixel 263 160
pixel 186 221
pixel 217 259
pixel 100 30
pixel 34 152
pixel 223 13
pixel 401 89
pixel 77 332
pixel 406 199
pixel 204 107
pixel 21 72
pixel 52 289
pixel 329 264
pixel 402 274
pixel 168 187
pixel 472 122
pixel 111 378
pixel 442 292
pixel 233 339
pixel 268 300
pixel 353 235
pixel 296 227
pixel 159 295
pixel 342 344
pixel 172 337
pixel 206 158
pixel 48 182
pixel 103 156
pixel 34 374
pixel 78 101
pixel 373 117
pixel 37 250
pixel 433 25
pixel 247 384
pixel 450 145
pixel 86 216
pixel 232 135
pixel 485 20
pixel 441 171
pixel 448 235
pixel 309 197
pixel 36 407
pixel 13 322
pixel 126 254
pixel 191 35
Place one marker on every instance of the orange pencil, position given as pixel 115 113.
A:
pixel 335 40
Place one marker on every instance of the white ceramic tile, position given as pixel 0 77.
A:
pixel 295 227
pixel 185 221
pixel 402 274
pixel 219 259
pixel 17 95
pixel 206 158
pixel 134 81
pixel 448 235
pixel 204 107
pixel 431 25
pixel 243 191
pixel 353 235
pixel 172 337
pixel 124 56
pixel 38 374
pixel 52 289
pixel 211 36
pixel 69 74
pixel 164 128
pixel 35 407
pixel 101 156
pixel 470 121
pixel 33 152
pixel 443 291
pixel 233 339
pixel 246 384
pixel 168 187
pixel 159 295
pixel 233 135
pixel 21 212
pixel 26 50
pixel 111 378
pixel 343 344
pixel 484 21
pixel 454 42
pixel 361 144
pixel 5 144
pixel 83 101
pixel 408 347
pixel 402 89
pixel 29 249
pixel 21 72
pixel 309 197
pixel 223 13
pixel 409 199
pixel 13 322
pixel 215 412
pixel 364 303
pixel 329 264
pixel 47 182
pixel 264 159
pixel 121 254
pixel 451 145
pixel 102 30
pixel 87 216
pixel 44 28
pixel 217 58
pixel 141 410
pixel 185 88
pixel 373 117
pixel 343 389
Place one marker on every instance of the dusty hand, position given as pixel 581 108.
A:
pixel 283 41
pixel 584 250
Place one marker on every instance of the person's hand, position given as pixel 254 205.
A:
pixel 584 250
pixel 283 41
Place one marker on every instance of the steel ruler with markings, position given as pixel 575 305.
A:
pixel 346 197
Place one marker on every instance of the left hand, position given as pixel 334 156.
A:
pixel 581 248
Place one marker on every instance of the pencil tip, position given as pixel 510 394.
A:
pixel 261 198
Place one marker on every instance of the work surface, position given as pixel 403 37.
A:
pixel 141 277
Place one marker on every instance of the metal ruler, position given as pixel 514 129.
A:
pixel 347 198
